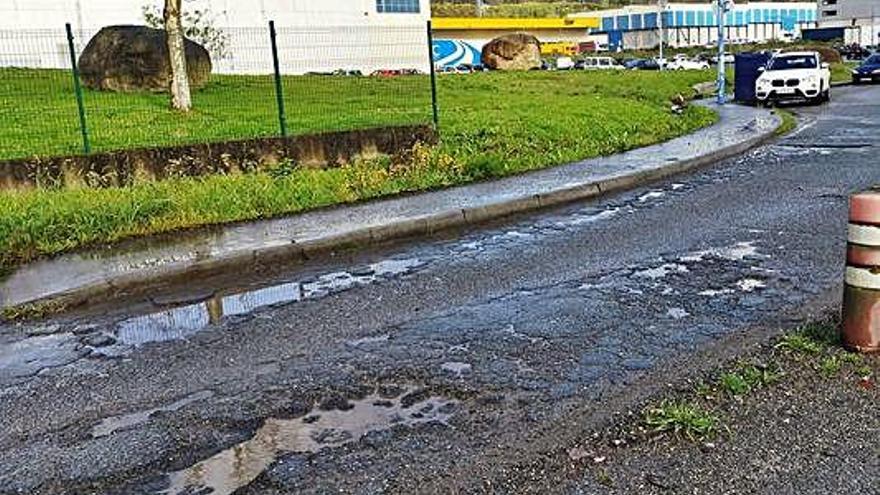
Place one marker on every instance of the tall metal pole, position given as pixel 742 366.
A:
pixel 279 89
pixel 433 72
pixel 721 81
pixel 662 9
pixel 77 88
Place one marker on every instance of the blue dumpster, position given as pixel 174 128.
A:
pixel 745 75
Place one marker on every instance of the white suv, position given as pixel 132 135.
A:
pixel 794 76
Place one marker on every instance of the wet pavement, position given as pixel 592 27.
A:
pixel 458 363
pixel 95 274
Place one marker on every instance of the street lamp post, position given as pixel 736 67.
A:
pixel 721 8
pixel 660 26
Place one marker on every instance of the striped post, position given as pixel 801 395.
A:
pixel 861 294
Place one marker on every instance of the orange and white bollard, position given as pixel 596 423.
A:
pixel 861 293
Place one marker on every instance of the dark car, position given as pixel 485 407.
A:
pixel 545 65
pixel 642 64
pixel 868 71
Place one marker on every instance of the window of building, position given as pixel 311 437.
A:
pixel 829 13
pixel 397 6
pixel 829 2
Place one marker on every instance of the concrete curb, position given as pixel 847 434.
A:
pixel 395 228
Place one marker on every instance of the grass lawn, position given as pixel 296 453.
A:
pixel 39 115
pixel 842 71
pixel 492 125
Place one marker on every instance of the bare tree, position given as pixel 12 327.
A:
pixel 180 93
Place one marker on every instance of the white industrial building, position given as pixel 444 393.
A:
pixel 314 35
pixel 861 18
pixel 695 24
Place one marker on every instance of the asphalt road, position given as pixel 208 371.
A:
pixel 467 363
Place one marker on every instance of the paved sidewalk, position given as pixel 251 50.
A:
pixel 77 277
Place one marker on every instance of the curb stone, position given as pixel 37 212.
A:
pixel 623 171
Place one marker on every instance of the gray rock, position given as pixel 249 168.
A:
pixel 135 58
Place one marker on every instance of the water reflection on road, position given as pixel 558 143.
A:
pixel 181 322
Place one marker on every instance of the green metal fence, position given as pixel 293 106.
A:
pixel 265 82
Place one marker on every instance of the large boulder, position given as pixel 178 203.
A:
pixel 135 58
pixel 517 51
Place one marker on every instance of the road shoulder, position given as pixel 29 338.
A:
pixel 101 273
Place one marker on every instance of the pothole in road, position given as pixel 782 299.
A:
pixel 736 252
pixel 183 321
pixel 32 355
pixel 239 465
pixel 651 195
pixel 670 277
pixel 661 271
pixel 115 423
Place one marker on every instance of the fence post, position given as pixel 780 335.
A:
pixel 433 76
pixel 77 88
pixel 279 90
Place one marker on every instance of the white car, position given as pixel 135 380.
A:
pixel 729 58
pixel 794 76
pixel 564 63
pixel 684 63
pixel 599 63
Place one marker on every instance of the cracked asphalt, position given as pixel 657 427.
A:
pixel 463 363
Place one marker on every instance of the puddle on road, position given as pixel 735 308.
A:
pixel 586 219
pixel 736 252
pixel 239 465
pixel 715 292
pixel 183 321
pixel 677 313
pixel 108 426
pixel 378 339
pixel 661 271
pixel 651 195
pixel 457 368
pixel 750 284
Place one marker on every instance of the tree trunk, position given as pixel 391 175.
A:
pixel 180 94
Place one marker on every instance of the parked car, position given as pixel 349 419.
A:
pixel 395 72
pixel 642 64
pixel 729 58
pixel 685 63
pixel 545 65
pixel 564 63
pixel 794 76
pixel 600 63
pixel 869 70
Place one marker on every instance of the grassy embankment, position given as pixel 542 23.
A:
pixel 814 348
pixel 778 408
pixel 493 125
